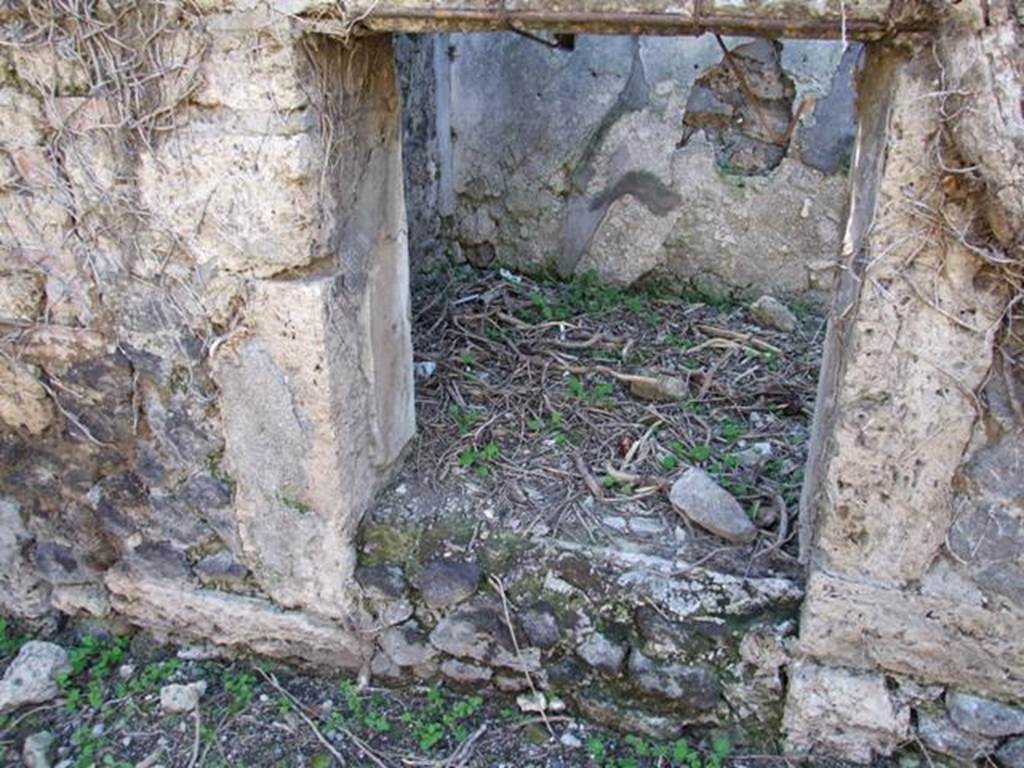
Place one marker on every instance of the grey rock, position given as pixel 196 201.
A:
pixel 984 717
pixel 382 582
pixel 755 455
pixel 540 625
pixel 696 687
pixel 394 612
pixel 32 676
pixel 381 666
pixel 607 711
pixel 178 699
pixel 827 140
pixel 478 632
pixel 665 637
pixel 602 653
pixel 445 583
pixel 407 645
pixel 939 734
pixel 465 673
pixel 35 753
pixel 772 313
pixel 1011 754
pixel 705 502
pixel 221 570
pixel 511 683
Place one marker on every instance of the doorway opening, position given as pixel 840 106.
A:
pixel 622 250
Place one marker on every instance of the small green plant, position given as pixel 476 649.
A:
pixel 480 459
pixel 9 643
pixel 241 684
pixel 730 431
pixel 635 750
pixel 464 419
pixel 467 357
pixel 536 424
pixel 365 713
pixel 598 394
pixel 91 661
pixel 438 719
pixel 700 453
pixel 284 706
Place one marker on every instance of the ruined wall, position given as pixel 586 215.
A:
pixel 205 358
pixel 632 157
pixel 912 622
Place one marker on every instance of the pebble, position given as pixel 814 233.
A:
pixel 646 526
pixel 756 455
pixel 35 753
pixel 772 313
pixel 570 741
pixel 177 698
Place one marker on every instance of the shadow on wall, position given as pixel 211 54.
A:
pixel 631 157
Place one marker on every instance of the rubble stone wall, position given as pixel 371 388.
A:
pixel 910 513
pixel 204 298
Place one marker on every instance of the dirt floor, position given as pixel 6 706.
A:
pixel 529 423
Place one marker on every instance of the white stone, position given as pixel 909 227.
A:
pixel 32 676
pixel 833 710
pixel 177 698
pixel 36 750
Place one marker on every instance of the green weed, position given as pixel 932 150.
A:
pixel 440 719
pixel 464 419
pixel 92 661
pixel 480 459
pixel 241 684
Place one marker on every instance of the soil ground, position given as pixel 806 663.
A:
pixel 528 425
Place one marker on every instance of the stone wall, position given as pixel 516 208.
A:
pixel 911 509
pixel 204 296
pixel 205 366
pixel 632 157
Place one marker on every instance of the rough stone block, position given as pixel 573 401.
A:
pixel 24 403
pixel 871 627
pixel 21 121
pixel 241 203
pixel 310 437
pixel 255 70
pixel 21 295
pixel 243 623
pixel 831 710
pixel 22 591
pixel 53 69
